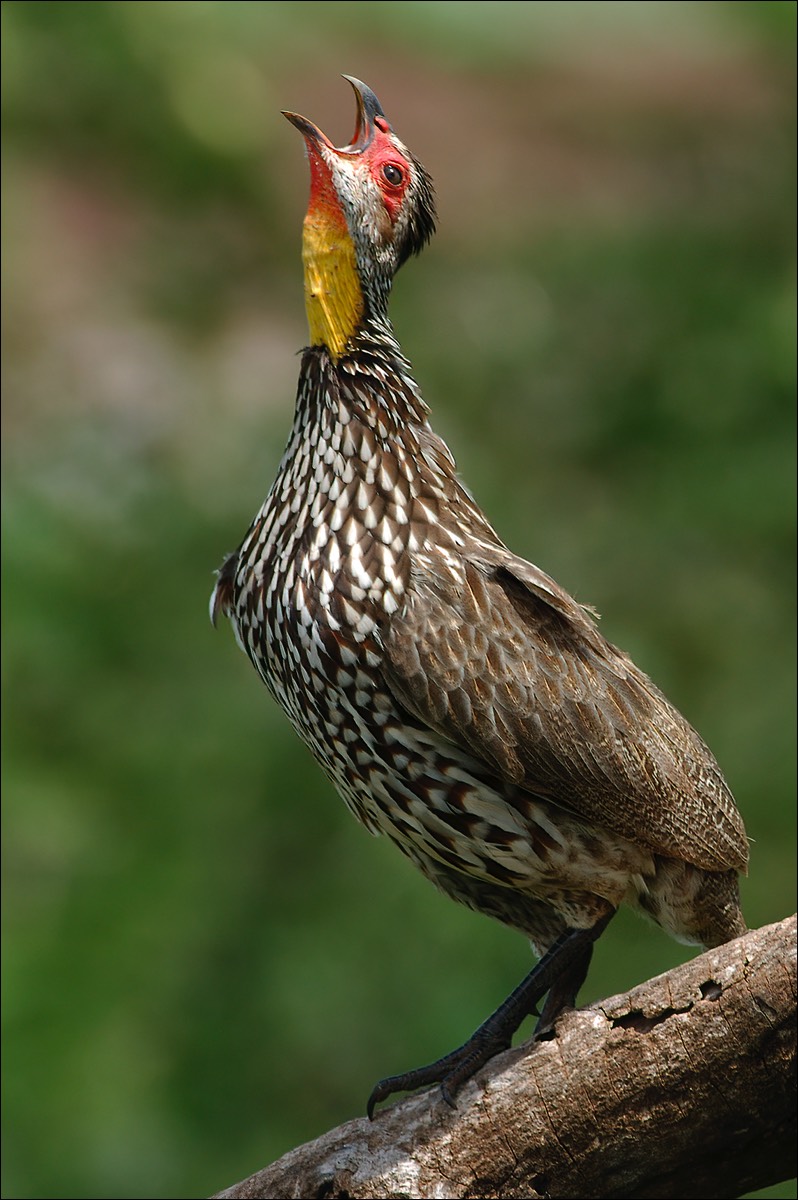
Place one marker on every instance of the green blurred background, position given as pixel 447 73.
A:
pixel 207 960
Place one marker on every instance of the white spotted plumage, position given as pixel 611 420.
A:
pixel 352 518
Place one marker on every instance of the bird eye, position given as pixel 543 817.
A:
pixel 392 174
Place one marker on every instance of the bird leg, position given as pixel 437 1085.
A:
pixel 562 993
pixel 560 973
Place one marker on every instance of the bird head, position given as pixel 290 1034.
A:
pixel 371 207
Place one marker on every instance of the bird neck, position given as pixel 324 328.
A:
pixel 363 419
pixel 371 384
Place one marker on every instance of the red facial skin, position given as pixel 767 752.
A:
pixel 324 203
pixel 381 153
pixel 380 156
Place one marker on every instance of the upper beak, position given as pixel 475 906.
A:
pixel 368 109
pixel 308 130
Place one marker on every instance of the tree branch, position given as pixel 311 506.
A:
pixel 684 1086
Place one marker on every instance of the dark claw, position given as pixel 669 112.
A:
pixel 438 1072
pixel 451 1071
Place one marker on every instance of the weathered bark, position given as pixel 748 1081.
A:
pixel 683 1087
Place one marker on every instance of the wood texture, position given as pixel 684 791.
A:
pixel 682 1087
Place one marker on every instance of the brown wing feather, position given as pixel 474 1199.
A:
pixel 511 668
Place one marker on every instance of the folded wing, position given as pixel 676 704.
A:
pixel 507 665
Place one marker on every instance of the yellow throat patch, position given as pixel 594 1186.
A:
pixel 333 295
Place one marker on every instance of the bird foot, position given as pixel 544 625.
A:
pixel 559 973
pixel 451 1071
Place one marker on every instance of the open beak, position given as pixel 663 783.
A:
pixel 368 109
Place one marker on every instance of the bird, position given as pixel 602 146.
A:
pixel 461 702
